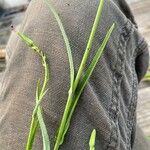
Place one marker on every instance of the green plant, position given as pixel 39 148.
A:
pixel 77 83
pixel 37 118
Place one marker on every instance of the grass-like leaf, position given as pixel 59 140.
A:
pixel 39 96
pixel 72 100
pixel 77 84
pixel 46 142
pixel 92 140
pixel 66 40
pixel 64 125
pixel 89 44
pixel 33 128
pixel 60 131
pixel 96 58
pixel 37 118
pixel 87 75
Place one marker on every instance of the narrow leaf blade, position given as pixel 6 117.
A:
pixel 87 75
pixel 46 141
pixel 66 40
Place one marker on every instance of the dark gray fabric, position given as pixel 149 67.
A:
pixel 108 103
pixel 122 4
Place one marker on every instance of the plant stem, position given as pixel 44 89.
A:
pixel 89 45
pixel 70 93
pixel 66 40
pixel 70 97
pixel 33 128
pixel 37 118
pixel 63 122
pixel 87 75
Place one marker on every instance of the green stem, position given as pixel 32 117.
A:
pixel 89 45
pixel 46 142
pixel 69 101
pixel 87 75
pixel 40 92
pixel 66 40
pixel 33 128
pixel 45 78
pixel 63 122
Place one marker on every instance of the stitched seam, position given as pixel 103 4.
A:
pixel 132 107
pixel 117 77
pixel 131 118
